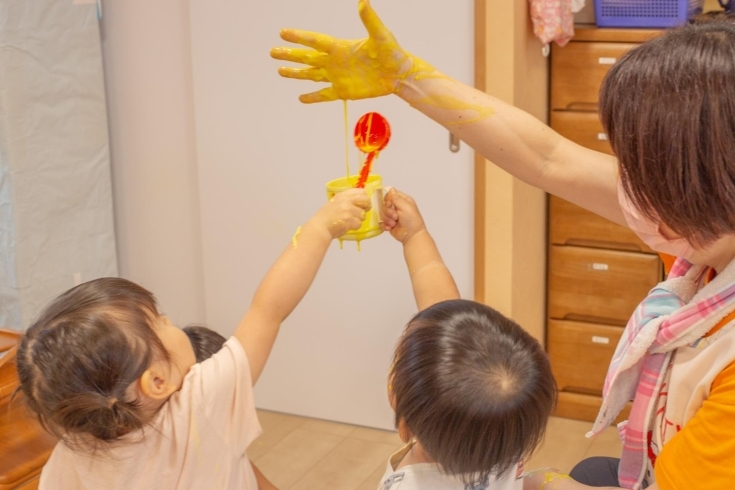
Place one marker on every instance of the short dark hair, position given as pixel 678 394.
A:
pixel 473 387
pixel 204 341
pixel 668 108
pixel 77 361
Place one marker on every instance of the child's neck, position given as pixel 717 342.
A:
pixel 416 455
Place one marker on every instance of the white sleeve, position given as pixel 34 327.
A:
pixel 224 390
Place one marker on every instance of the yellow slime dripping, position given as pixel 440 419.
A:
pixel 347 140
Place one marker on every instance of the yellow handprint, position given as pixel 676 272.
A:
pixel 357 69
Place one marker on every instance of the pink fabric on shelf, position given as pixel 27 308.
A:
pixel 553 20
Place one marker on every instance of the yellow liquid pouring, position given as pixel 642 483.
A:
pixel 347 140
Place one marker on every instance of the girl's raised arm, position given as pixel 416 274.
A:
pixel 289 278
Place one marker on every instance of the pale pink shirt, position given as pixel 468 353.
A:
pixel 197 441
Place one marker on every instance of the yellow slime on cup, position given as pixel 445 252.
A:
pixel 371 225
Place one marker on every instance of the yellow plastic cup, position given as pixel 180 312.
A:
pixel 371 225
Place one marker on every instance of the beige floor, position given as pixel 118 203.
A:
pixel 298 453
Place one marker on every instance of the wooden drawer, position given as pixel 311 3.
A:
pixel 584 128
pixel 600 286
pixel 577 72
pixel 580 354
pixel 31 484
pixel 571 225
pixel 8 339
pixel 584 407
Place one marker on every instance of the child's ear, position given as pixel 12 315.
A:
pixel 154 382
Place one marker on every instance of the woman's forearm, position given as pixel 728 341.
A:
pixel 518 142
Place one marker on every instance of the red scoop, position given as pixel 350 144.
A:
pixel 372 134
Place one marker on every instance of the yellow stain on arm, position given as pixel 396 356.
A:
pixel 451 103
pixel 295 239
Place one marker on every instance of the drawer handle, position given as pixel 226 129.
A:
pixel 454 143
pixel 602 136
pixel 600 340
pixel 583 106
pixel 605 60
pixel 597 266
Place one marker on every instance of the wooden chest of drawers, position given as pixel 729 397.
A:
pixel 598 271
pixel 24 445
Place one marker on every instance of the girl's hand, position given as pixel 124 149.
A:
pixel 357 69
pixel 401 216
pixel 345 212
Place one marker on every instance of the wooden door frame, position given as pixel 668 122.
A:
pixel 510 216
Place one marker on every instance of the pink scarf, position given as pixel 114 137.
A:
pixel 671 316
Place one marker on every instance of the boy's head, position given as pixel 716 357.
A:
pixel 204 341
pixel 100 360
pixel 668 108
pixel 472 387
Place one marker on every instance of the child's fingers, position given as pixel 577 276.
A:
pixel 388 214
pixel 359 198
pixel 389 207
pixel 403 200
pixel 389 197
pixel 354 223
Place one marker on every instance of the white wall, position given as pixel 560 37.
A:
pixel 259 165
pixel 263 161
pixel 151 117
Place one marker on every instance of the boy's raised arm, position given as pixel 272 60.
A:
pixel 431 280
pixel 289 278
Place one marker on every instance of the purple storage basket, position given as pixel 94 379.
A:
pixel 645 13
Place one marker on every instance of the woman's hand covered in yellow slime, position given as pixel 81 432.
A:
pixel 357 69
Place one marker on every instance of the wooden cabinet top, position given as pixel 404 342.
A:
pixel 24 445
pixel 590 33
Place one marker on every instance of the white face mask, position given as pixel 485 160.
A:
pixel 650 231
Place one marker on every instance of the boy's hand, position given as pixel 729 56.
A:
pixel 357 69
pixel 401 216
pixel 345 212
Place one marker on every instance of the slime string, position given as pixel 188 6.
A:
pixel 372 134
pixel 347 140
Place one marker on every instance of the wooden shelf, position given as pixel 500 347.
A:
pixel 592 33
pixel 597 271
pixel 583 407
